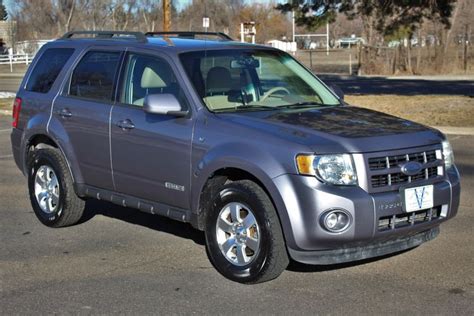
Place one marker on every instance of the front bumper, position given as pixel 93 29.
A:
pixel 376 249
pixel 306 199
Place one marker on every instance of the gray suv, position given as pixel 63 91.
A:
pixel 239 140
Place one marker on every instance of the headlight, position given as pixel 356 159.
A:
pixel 332 169
pixel 448 154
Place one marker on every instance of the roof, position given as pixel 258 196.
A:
pixel 137 39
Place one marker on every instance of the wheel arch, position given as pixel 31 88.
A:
pixel 222 175
pixel 42 140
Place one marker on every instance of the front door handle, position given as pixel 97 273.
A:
pixel 64 113
pixel 125 124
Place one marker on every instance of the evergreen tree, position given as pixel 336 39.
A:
pixel 385 16
pixel 3 12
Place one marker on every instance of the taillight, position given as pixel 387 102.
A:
pixel 16 112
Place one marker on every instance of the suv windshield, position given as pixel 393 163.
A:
pixel 234 79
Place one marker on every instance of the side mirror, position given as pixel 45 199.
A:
pixel 337 90
pixel 165 104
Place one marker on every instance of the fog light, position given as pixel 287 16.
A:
pixel 336 221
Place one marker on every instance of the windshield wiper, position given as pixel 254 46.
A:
pixel 301 105
pixel 247 107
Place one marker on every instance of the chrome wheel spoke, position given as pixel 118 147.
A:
pixel 249 221
pixel 235 212
pixel 228 245
pixel 49 207
pixel 241 255
pixel 252 243
pixel 224 225
pixel 40 179
pixel 42 196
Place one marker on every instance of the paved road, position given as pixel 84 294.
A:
pixel 353 84
pixel 402 86
pixel 124 261
pixel 9 83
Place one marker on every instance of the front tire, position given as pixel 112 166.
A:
pixel 244 238
pixel 51 189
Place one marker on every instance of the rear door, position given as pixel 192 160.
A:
pixel 84 111
pixel 150 152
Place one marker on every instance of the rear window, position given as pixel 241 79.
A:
pixel 47 69
pixel 94 76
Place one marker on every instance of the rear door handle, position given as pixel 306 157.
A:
pixel 64 113
pixel 125 124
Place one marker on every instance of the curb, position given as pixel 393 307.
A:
pixel 12 75
pixel 451 130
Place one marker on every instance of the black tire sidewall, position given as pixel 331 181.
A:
pixel 42 157
pixel 251 271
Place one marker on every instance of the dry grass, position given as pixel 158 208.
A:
pixel 6 104
pixel 434 110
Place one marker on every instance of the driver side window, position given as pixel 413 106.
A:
pixel 147 75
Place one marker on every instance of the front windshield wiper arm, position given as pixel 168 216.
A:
pixel 247 107
pixel 301 105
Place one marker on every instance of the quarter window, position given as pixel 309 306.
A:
pixel 94 76
pixel 47 69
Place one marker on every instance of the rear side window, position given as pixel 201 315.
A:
pixel 94 76
pixel 47 69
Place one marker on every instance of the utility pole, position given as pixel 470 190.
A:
pixel 466 42
pixel 166 15
pixel 293 25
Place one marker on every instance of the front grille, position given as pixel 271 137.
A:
pixel 408 219
pixel 400 178
pixel 385 171
pixel 379 163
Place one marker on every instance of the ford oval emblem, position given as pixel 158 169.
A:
pixel 411 168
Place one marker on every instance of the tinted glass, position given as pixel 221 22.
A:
pixel 148 75
pixel 48 68
pixel 94 76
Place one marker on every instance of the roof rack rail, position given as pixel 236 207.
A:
pixel 114 35
pixel 190 35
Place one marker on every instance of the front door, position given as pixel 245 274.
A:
pixel 150 152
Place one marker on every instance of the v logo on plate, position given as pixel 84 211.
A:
pixel 419 198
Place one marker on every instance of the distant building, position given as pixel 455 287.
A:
pixel 348 42
pixel 284 46
pixel 7 32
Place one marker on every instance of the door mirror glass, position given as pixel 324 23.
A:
pixel 165 104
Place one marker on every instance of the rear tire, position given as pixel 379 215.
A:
pixel 51 189
pixel 244 238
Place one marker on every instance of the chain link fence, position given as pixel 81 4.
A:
pixel 379 60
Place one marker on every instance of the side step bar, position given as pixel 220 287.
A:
pixel 182 215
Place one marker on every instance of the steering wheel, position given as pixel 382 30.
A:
pixel 272 91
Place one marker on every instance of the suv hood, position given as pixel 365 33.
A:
pixel 339 129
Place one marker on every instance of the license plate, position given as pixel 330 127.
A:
pixel 418 198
